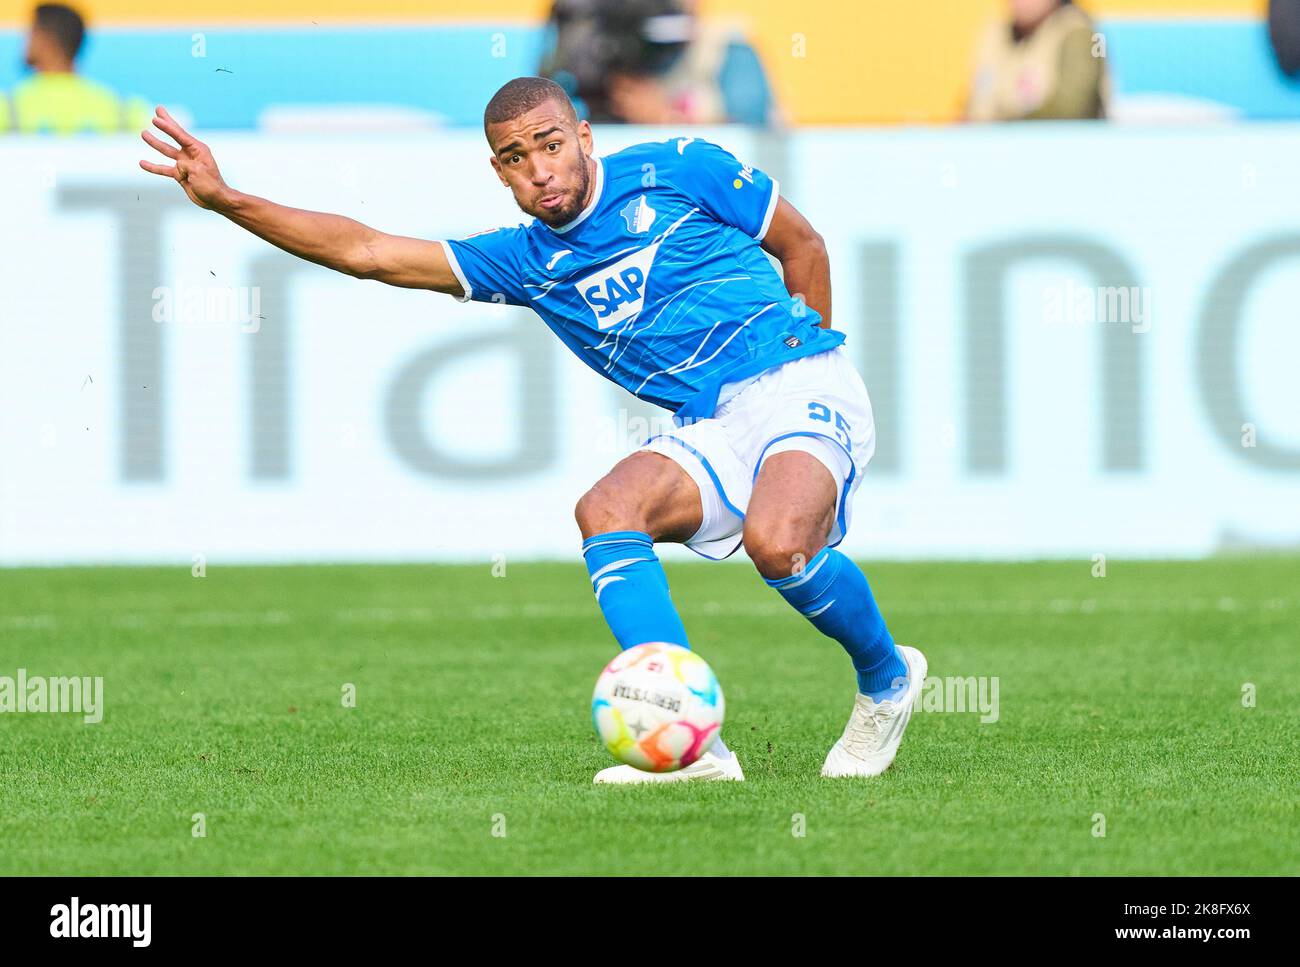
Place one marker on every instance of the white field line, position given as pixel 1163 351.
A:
pixel 509 612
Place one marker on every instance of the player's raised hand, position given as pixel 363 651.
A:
pixel 195 169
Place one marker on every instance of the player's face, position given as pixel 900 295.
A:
pixel 544 158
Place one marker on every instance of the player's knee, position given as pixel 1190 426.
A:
pixel 778 552
pixel 600 510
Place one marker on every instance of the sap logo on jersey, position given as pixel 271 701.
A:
pixel 616 292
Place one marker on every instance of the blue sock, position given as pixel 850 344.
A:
pixel 631 589
pixel 832 593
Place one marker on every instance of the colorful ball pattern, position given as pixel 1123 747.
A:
pixel 657 706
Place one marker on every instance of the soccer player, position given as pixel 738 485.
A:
pixel 648 264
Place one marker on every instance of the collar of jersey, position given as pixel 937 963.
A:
pixel 591 205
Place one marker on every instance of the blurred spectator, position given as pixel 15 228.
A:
pixel 655 62
pixel 1284 32
pixel 56 99
pixel 1041 64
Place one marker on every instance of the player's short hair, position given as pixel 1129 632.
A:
pixel 521 95
pixel 63 24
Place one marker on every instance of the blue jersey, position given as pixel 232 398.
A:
pixel 660 284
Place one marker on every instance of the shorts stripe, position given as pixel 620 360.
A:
pixel 708 468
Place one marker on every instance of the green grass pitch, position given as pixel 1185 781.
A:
pixel 1119 695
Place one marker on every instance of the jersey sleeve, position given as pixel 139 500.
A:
pixel 487 265
pixel 731 191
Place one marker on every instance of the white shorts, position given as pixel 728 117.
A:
pixel 817 404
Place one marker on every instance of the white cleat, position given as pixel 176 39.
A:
pixel 707 766
pixel 870 740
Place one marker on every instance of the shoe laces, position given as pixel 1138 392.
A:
pixel 868 722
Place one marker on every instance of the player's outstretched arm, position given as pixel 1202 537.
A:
pixel 794 243
pixel 335 241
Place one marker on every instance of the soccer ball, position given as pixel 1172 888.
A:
pixel 657 706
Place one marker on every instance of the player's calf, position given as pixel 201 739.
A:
pixel 791 512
